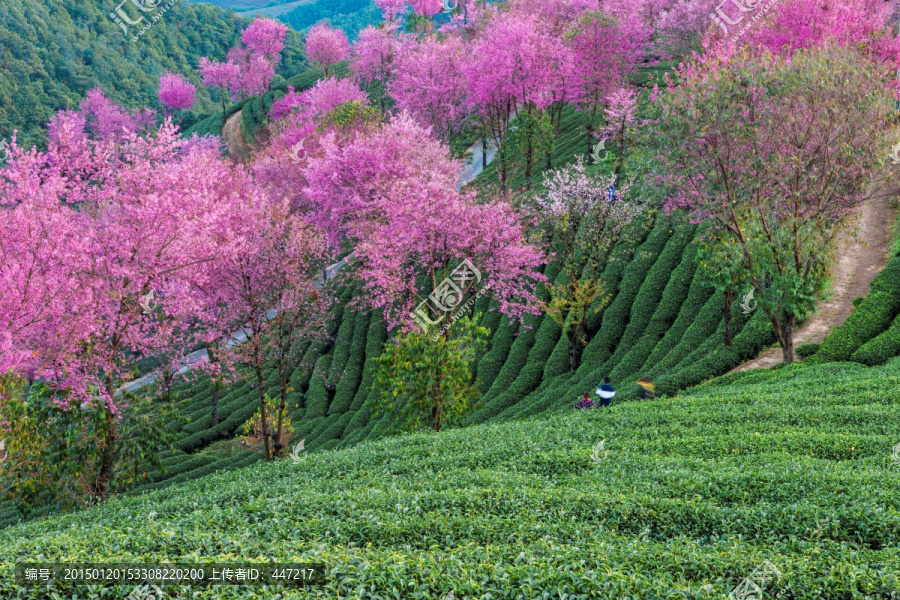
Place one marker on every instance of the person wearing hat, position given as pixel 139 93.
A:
pixel 646 390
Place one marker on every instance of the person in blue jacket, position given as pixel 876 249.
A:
pixel 606 392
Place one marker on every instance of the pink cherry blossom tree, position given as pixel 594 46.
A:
pixel 265 37
pixel 265 289
pixel 429 84
pixel 108 121
pixel 514 66
pixel 141 222
pixel 605 51
pixel 374 56
pixel 219 75
pixel 748 144
pixel 326 46
pixel 392 193
pixel 175 92
pixel 255 73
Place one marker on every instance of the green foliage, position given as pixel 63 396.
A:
pixel 872 316
pixel 879 349
pixel 807 350
pixel 790 465
pixel 52 53
pixel 490 364
pixel 529 140
pixel 616 317
pixel 349 116
pixel 252 429
pixel 428 382
pixel 350 15
pixel 55 458
pixel 667 310
pixel 318 398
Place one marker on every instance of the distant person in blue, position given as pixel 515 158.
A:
pixel 606 392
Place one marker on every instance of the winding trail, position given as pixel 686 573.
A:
pixel 858 260
pixel 231 133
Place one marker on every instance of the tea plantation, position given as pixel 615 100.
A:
pixel 691 493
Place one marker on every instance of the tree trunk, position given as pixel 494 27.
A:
pixel 726 312
pixel 436 416
pixel 262 410
pixel 484 152
pixel 529 160
pixel 590 138
pixel 280 425
pixel 787 340
pixel 107 456
pixel 215 403
pixel 572 337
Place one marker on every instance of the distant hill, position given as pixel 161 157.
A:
pixel 53 51
pixel 349 15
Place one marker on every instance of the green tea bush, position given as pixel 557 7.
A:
pixel 318 398
pixel 689 496
pixel 617 316
pixel 882 347
pixel 490 364
pixel 872 316
pixel 652 306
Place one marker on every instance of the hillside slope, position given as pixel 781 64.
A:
pixel 688 497
pixel 52 52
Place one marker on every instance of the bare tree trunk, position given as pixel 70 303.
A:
pixel 589 127
pixel 726 312
pixel 107 455
pixel 484 152
pixel 262 410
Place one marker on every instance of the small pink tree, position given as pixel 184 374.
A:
pixel 220 75
pixel 326 46
pixel 108 121
pixel 255 73
pixel 265 37
pixel 175 92
pixel 605 52
pixel 264 289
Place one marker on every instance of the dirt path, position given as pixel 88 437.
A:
pixel 231 133
pixel 859 259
